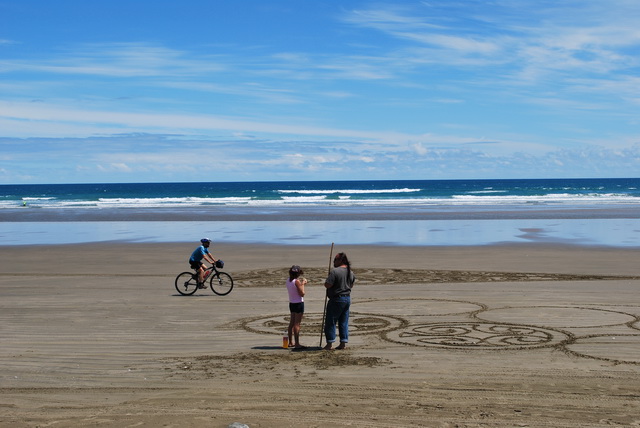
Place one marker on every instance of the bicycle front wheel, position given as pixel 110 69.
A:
pixel 221 283
pixel 186 283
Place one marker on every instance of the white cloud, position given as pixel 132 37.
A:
pixel 459 88
pixel 534 41
pixel 419 149
pixel 120 167
pixel 167 158
pixel 43 114
pixel 118 60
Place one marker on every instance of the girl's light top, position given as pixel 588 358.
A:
pixel 294 297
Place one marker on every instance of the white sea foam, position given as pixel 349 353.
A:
pixel 481 198
pixel 168 202
pixel 458 200
pixel 557 198
pixel 302 199
pixel 349 191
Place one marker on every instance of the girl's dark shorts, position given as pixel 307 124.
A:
pixel 195 265
pixel 296 308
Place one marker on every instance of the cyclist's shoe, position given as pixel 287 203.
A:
pixel 202 285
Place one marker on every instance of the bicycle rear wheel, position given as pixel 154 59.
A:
pixel 186 283
pixel 221 283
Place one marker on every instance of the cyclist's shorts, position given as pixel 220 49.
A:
pixel 195 265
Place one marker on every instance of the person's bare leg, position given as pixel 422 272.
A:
pixel 292 321
pixel 296 331
pixel 201 277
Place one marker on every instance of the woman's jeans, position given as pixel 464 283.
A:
pixel 337 312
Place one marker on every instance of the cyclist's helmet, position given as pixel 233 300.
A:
pixel 205 240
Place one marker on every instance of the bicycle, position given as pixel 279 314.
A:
pixel 221 283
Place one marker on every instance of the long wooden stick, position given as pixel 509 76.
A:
pixel 324 311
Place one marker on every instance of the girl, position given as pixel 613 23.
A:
pixel 295 287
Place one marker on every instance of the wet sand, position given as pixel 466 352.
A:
pixel 323 213
pixel 499 336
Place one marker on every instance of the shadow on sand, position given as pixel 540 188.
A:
pixel 305 349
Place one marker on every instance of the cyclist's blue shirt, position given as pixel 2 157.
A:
pixel 198 254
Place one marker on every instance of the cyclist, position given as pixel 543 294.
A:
pixel 199 254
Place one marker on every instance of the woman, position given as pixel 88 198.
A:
pixel 339 284
pixel 295 288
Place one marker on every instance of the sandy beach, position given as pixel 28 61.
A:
pixel 492 336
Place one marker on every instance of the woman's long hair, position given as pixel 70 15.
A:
pixel 342 259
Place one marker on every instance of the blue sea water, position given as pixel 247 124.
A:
pixel 565 192
pixel 448 212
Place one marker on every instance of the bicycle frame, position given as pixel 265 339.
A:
pixel 221 283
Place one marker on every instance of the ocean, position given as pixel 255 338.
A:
pixel 469 193
pixel 602 212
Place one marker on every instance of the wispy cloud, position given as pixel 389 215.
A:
pixel 102 122
pixel 118 60
pixel 159 158
pixel 435 88
pixel 535 41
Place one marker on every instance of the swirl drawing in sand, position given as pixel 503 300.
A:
pixel 358 323
pixel 476 335
pixel 577 330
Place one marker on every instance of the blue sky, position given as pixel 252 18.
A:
pixel 251 90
